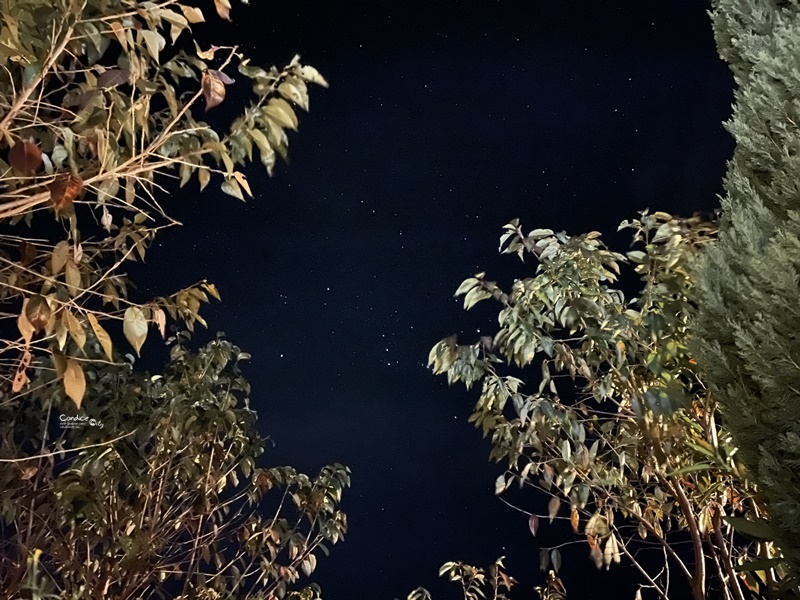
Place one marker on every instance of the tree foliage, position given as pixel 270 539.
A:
pixel 748 285
pixel 97 98
pixel 166 499
pixel 618 428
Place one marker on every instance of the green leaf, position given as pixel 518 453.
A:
pixel 758 565
pixel 691 469
pixel 555 558
pixel 756 529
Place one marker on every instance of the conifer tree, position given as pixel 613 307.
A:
pixel 749 315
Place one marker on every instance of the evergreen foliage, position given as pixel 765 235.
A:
pixel 749 315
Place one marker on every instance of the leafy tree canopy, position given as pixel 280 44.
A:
pixel 97 97
pixel 618 428
pixel 162 495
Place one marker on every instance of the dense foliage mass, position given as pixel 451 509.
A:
pixel 97 97
pixel 619 428
pixel 113 483
pixel 161 494
pixel 748 287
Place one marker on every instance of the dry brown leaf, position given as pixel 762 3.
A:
pixel 223 9
pixel 74 381
pixel 37 311
pixel 25 157
pixel 102 336
pixel 24 326
pixel 21 377
pixel 574 519
pixel 75 328
pixel 28 472
pixel 242 181
pixel 64 190
pixel 59 257
pixel 160 319
pixel 119 32
pixel 192 14
pixel 213 90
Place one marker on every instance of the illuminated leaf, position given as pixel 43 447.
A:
pixel 134 326
pixel 311 74
pixel 231 187
pixel 574 519
pixel 203 176
pixel 153 41
pixel 192 14
pixel 242 181
pixel 295 92
pixel 61 333
pixel 102 336
pixel 74 327
pixel 223 9
pixel 74 381
pixel 281 112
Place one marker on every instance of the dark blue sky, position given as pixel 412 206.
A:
pixel 443 121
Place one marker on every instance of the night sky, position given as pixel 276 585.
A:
pixel 444 120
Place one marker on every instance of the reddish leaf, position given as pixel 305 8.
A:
pixel 533 523
pixel 575 520
pixel 25 157
pixel 213 89
pixel 64 190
